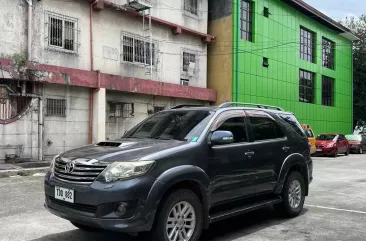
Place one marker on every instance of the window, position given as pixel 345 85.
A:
pixel 169 125
pixel 235 125
pixel 294 123
pixel 327 91
pixel 62 33
pixel 158 109
pixel 264 128
pixel 328 53
pixel 307 47
pixel 56 107
pixel 266 12
pixel 265 62
pixel 121 110
pixel 189 60
pixel 246 20
pixel 306 87
pixel 136 50
pixel 309 133
pixel 184 81
pixel 191 6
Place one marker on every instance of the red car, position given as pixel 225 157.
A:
pixel 332 145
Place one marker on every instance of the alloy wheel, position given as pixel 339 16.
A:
pixel 294 194
pixel 181 222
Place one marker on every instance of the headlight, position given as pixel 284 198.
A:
pixel 126 170
pixel 330 145
pixel 52 166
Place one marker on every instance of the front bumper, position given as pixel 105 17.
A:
pixel 94 204
pixel 325 151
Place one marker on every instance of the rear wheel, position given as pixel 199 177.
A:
pixel 179 218
pixel 293 195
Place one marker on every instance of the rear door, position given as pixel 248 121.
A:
pixel 270 147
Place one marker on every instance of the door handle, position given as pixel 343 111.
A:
pixel 286 148
pixel 249 153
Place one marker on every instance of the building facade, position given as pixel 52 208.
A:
pixel 283 53
pixel 78 72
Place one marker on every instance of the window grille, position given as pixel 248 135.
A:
pixel 191 6
pixel 121 110
pixel 56 107
pixel 136 50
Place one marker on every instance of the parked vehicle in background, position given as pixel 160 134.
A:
pixel 311 137
pixel 332 145
pixel 357 143
pixel 182 169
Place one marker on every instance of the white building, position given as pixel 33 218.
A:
pixel 87 64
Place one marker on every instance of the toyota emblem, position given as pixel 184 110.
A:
pixel 69 168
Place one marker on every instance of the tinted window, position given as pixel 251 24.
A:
pixel 295 125
pixel 341 138
pixel 309 134
pixel 325 137
pixel 169 125
pixel 265 128
pixel 235 125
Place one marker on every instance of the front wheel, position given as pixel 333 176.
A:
pixel 347 152
pixel 335 155
pixel 360 151
pixel 179 218
pixel 293 196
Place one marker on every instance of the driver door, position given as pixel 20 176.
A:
pixel 231 165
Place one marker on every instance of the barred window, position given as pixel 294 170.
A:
pixel 121 110
pixel 62 32
pixel 136 50
pixel 188 58
pixel 307 47
pixel 158 109
pixel 327 91
pixel 191 6
pixel 328 53
pixel 56 107
pixel 306 87
pixel 246 30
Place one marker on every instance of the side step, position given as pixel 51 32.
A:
pixel 243 209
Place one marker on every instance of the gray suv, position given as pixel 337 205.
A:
pixel 182 169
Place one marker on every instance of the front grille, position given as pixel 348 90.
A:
pixel 82 173
pixel 75 206
pixel 320 146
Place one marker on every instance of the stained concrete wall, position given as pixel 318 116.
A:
pixel 64 133
pixel 22 132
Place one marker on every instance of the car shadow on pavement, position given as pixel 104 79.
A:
pixel 227 230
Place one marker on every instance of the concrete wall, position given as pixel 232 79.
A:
pixel 23 132
pixel 116 127
pixel 64 133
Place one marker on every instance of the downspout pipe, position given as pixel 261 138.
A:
pixel 92 91
pixel 30 19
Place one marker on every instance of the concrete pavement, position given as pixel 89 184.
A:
pixel 336 210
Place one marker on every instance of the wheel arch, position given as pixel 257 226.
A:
pixel 295 162
pixel 182 177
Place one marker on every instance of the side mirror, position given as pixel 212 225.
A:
pixel 222 138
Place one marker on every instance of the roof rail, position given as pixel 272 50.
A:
pixel 260 106
pixel 182 106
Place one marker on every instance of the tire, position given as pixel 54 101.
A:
pixel 347 152
pixel 85 228
pixel 360 151
pixel 180 198
pixel 335 155
pixel 289 207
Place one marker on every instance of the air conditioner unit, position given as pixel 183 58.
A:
pixel 184 81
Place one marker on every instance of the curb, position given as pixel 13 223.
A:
pixel 23 172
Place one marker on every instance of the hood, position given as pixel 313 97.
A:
pixel 121 150
pixel 324 143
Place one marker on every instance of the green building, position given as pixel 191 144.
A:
pixel 283 53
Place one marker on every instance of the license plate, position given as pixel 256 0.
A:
pixel 318 149
pixel 64 194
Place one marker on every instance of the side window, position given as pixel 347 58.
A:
pixel 235 125
pixel 265 128
pixel 309 133
pixel 340 138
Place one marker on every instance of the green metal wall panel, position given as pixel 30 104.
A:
pixel 278 39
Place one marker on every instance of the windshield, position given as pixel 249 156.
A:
pixel 309 134
pixel 172 125
pixel 354 137
pixel 325 137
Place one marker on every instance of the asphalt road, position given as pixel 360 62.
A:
pixel 335 210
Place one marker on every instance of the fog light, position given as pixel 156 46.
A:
pixel 120 209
